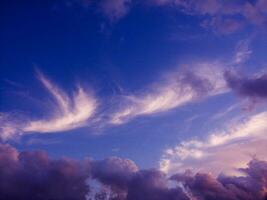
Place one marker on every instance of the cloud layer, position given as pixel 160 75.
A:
pixel 33 175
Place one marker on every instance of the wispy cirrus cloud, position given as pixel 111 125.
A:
pixel 115 9
pixel 222 17
pixel 67 113
pixel 223 150
pixel 242 52
pixel 181 87
pixel 112 10
pixel 219 16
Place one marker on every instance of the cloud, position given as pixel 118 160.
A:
pixel 115 9
pixel 153 185
pixel 220 16
pixel 243 52
pixel 114 171
pixel 253 87
pixel 67 113
pixel 223 17
pixel 33 175
pixel 223 150
pixel 182 87
pixel 112 10
pixel 223 26
pixel 66 116
pixel 252 186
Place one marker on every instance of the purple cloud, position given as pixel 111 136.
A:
pixel 252 186
pixel 114 171
pixel 152 185
pixel 115 9
pixel 33 175
pixel 255 87
pixel 223 17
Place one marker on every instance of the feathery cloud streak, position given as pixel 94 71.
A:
pixel 223 17
pixel 115 9
pixel 182 87
pixel 67 113
pixel 70 113
pixel 223 150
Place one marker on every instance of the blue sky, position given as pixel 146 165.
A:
pixel 133 79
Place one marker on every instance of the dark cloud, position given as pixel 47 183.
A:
pixel 114 172
pixel 152 185
pixel 250 187
pixel 34 176
pixel 249 87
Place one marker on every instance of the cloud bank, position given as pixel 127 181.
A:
pixel 33 175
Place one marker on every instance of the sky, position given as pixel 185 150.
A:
pixel 164 86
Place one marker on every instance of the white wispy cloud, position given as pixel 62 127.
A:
pixel 220 16
pixel 179 88
pixel 67 113
pixel 242 52
pixel 223 150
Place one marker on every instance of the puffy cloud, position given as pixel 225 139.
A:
pixel 153 185
pixel 33 175
pixel 180 88
pixel 223 150
pixel 251 186
pixel 66 113
pixel 114 171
